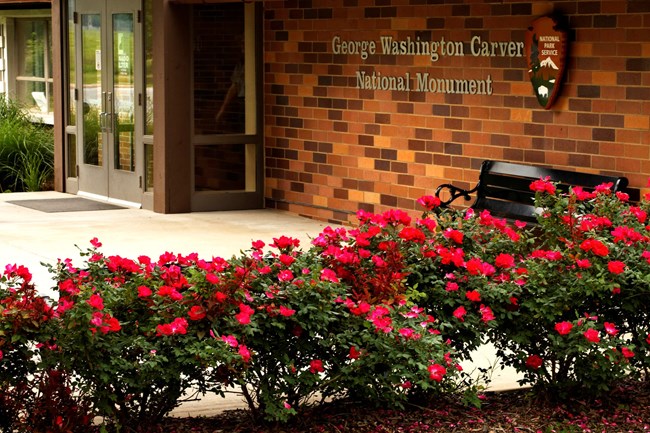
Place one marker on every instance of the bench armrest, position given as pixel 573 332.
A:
pixel 454 193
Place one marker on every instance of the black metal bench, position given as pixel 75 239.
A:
pixel 503 188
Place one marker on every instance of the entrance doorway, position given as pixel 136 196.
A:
pixel 227 145
pixel 109 149
pixel 208 152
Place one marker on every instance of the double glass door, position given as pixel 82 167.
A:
pixel 109 145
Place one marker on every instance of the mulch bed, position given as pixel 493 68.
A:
pixel 626 409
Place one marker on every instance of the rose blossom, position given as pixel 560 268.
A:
pixel 563 328
pixel 592 335
pixel 534 362
pixel 436 372
pixel 316 366
pixel 616 267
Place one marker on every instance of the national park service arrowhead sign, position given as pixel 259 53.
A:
pixel 545 47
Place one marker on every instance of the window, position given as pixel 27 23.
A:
pixel 34 64
pixel 3 78
pixel 149 94
pixel 226 106
pixel 27 63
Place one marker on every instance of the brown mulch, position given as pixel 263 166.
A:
pixel 626 409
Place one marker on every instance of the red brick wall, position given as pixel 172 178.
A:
pixel 332 148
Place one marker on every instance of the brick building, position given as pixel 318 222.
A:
pixel 329 116
pixel 332 147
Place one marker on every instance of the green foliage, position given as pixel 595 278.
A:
pixel 26 151
pixel 114 336
pixel 32 398
pixel 135 336
pixel 583 302
pixel 381 313
pixel 565 302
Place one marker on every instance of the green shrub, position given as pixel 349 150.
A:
pixel 125 331
pixel 581 319
pixel 564 302
pixel 137 335
pixel 380 312
pixel 26 151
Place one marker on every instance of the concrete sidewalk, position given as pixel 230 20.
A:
pixel 29 237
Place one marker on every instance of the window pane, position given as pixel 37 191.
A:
pixel 148 59
pixel 221 167
pixel 124 91
pixel 33 64
pixel 72 67
pixel 148 155
pixel 91 85
pixel 32 95
pixel 31 36
pixel 49 90
pixel 48 42
pixel 219 91
pixel 72 154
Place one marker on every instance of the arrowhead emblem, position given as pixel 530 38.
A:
pixel 545 47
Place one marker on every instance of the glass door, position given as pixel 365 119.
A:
pixel 227 141
pixel 109 144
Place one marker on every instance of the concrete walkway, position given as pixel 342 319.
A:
pixel 29 237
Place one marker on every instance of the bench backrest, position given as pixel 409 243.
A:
pixel 504 187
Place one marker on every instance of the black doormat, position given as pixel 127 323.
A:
pixel 73 204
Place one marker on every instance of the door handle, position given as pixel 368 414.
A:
pixel 102 115
pixel 106 116
pixel 109 112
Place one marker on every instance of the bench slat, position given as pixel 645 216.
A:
pixel 566 177
pixel 504 187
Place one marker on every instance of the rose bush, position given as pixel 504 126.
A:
pixel 382 312
pixel 128 333
pixel 298 329
pixel 407 262
pixel 23 314
pixel 564 301
pixel 135 336
pixel 581 315
pixel 32 397
pixel 469 266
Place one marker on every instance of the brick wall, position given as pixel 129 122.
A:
pixel 332 148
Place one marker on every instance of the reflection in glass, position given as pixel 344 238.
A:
pixel 72 67
pixel 220 167
pixel 34 64
pixel 148 67
pixel 123 91
pixel 219 91
pixel 32 94
pixel 71 140
pixel 32 35
pixel 148 156
pixel 91 88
